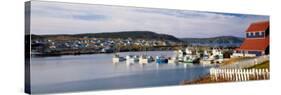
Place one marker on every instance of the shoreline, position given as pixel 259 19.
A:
pixel 88 53
pixel 207 78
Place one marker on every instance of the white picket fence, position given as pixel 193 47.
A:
pixel 239 74
pixel 247 63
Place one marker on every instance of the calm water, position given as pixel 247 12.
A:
pixel 96 72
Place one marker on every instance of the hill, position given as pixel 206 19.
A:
pixel 222 41
pixel 123 35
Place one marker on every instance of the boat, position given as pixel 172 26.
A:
pixel 188 51
pixel 218 56
pixel 145 59
pixel 187 56
pixel 116 58
pixel 207 59
pixel 173 60
pixel 188 59
pixel 161 60
pixel 206 55
pixel 180 53
pixel 130 59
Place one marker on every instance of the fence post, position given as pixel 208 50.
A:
pixel 267 73
pixel 227 74
pixel 243 74
pixel 219 73
pixel 239 75
pixel 236 74
pixel 211 73
pixel 252 74
pixel 231 74
pixel 257 74
pixel 222 71
pixel 263 74
pixel 247 74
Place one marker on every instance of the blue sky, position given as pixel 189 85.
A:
pixel 69 18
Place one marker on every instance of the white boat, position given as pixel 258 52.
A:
pixel 206 55
pixel 188 51
pixel 207 59
pixel 187 56
pixel 116 58
pixel 188 59
pixel 218 56
pixel 145 59
pixel 180 53
pixel 173 60
pixel 130 59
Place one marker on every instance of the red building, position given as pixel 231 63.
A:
pixel 256 42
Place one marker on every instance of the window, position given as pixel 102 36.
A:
pixel 253 33
pixel 257 33
pixel 260 33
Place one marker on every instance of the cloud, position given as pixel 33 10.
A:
pixel 68 18
pixel 89 17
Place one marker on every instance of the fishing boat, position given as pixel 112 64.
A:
pixel 207 59
pixel 188 51
pixel 116 58
pixel 218 56
pixel 161 60
pixel 188 59
pixel 206 55
pixel 180 54
pixel 145 59
pixel 130 59
pixel 173 60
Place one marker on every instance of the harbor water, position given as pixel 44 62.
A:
pixel 97 72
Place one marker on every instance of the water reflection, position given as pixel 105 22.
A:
pixel 97 72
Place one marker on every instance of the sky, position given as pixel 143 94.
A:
pixel 70 18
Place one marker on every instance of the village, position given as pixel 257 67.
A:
pixel 97 45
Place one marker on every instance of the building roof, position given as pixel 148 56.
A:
pixel 258 26
pixel 255 44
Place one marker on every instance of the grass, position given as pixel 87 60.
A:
pixel 264 65
pixel 233 60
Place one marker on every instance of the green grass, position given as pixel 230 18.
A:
pixel 233 60
pixel 264 65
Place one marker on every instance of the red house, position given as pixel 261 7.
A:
pixel 256 42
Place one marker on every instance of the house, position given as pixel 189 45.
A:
pixel 256 42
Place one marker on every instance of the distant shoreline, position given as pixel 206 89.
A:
pixel 87 53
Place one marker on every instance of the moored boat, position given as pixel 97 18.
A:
pixel 130 59
pixel 116 58
pixel 207 59
pixel 161 60
pixel 173 60
pixel 145 59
